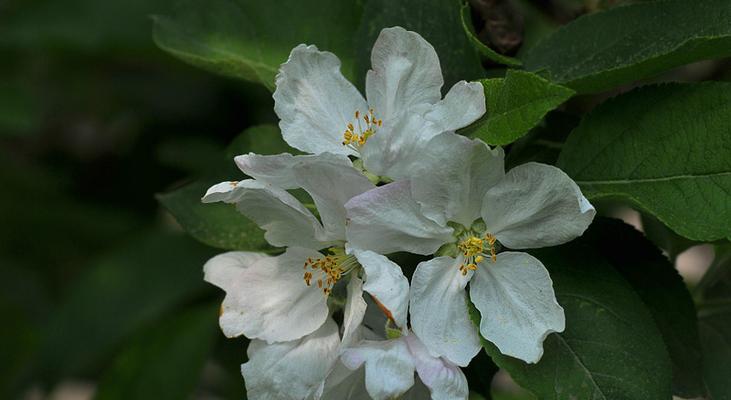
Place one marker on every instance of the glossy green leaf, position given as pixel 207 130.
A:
pixel 482 48
pixel 666 149
pixel 164 361
pixel 122 291
pixel 438 21
pixel 663 291
pixel 249 40
pixel 602 50
pixel 515 104
pixel 611 348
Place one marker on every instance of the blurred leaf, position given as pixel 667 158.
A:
pixel 482 48
pixel 259 139
pixel 193 154
pixel 716 282
pixel 611 348
pixel 714 293
pixel 662 290
pixel 515 104
pixel 121 292
pixel 602 50
pixel 715 332
pixel 249 39
pixel 164 361
pixel 79 25
pixel 438 21
pixel 665 149
pixel 19 114
pixel 23 301
pixel 217 224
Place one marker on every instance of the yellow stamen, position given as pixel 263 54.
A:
pixel 473 249
pixel 330 268
pixel 356 138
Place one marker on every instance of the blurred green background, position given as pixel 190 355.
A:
pixel 101 292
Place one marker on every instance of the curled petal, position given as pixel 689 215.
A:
pixel 439 315
pixel 536 205
pixel 314 101
pixel 405 73
pixel 387 219
pixel 266 297
pixel 518 305
pixel 291 370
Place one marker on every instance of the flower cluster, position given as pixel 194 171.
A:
pixel 332 317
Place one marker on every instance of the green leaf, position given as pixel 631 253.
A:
pixel 483 49
pixel 602 50
pixel 715 332
pixel 438 21
pixel 664 238
pixel 663 291
pixel 217 224
pixel 249 40
pixel 714 315
pixel 611 348
pixel 164 361
pixel 515 104
pixel 127 288
pixel 665 149
pixel 716 282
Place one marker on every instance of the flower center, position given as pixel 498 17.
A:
pixel 474 249
pixel 357 135
pixel 328 270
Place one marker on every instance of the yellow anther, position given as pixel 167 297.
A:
pixel 474 249
pixel 356 138
pixel 330 268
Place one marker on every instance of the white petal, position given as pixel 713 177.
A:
pixel 386 284
pixel 266 297
pixel 331 180
pixel 439 314
pixel 463 105
pixel 276 169
pixel 395 150
pixel 518 306
pixel 444 379
pixel 291 370
pixel 417 392
pixel 536 205
pixel 355 308
pixel 286 221
pixel 315 102
pixel 345 384
pixel 456 173
pixel 405 73
pixel 386 219
pixel 389 366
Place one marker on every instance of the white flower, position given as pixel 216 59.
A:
pixel 462 202
pixel 282 301
pixel 390 366
pixel 321 111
